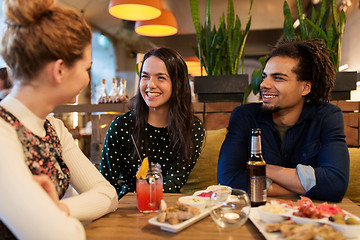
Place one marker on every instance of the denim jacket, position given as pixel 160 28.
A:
pixel 317 139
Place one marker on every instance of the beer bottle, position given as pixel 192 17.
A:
pixel 256 171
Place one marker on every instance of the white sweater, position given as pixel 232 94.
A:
pixel 25 207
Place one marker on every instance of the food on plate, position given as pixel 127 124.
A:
pixel 176 214
pixel 307 209
pixel 273 207
pixel 341 218
pixel 275 227
pixel 272 212
pixel 205 194
pixel 293 231
pixel 195 201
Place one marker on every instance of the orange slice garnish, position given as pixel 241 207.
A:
pixel 143 169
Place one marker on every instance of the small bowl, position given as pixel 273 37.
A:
pixel 219 187
pixel 206 197
pixel 221 192
pixel 194 201
pixel 305 220
pixel 349 231
pixel 269 217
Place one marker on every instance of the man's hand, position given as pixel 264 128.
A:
pixel 45 182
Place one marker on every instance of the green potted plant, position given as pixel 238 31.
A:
pixel 328 25
pixel 220 51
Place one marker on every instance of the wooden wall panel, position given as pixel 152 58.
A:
pixel 200 116
pixel 198 107
pixel 214 121
pixel 221 106
pixel 347 106
pixel 352 136
pixel 351 128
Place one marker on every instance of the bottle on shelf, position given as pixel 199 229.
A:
pixel 103 93
pixel 256 171
pixel 122 91
pixel 113 92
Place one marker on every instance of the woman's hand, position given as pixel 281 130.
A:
pixel 49 187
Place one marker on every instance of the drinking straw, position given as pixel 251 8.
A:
pixel 137 150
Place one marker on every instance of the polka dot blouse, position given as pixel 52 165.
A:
pixel 119 167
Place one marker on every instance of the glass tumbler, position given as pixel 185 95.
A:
pixel 234 211
pixel 149 190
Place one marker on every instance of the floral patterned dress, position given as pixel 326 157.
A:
pixel 42 155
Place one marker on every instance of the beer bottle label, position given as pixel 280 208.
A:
pixel 255 145
pixel 258 189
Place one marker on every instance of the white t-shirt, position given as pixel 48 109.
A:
pixel 25 208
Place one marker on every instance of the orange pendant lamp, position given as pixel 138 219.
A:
pixel 133 10
pixel 165 25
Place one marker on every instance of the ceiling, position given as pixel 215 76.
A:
pixel 266 25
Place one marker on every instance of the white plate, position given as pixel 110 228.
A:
pixel 260 225
pixel 180 226
pixel 256 220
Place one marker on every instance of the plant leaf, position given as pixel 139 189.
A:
pixel 256 80
pixel 320 31
pixel 303 30
pixel 262 60
pixel 246 93
pixel 289 32
pixel 323 8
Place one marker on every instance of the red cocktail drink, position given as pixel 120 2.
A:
pixel 149 193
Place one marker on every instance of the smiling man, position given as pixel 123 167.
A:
pixel 303 140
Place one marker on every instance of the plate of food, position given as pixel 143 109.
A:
pixel 324 221
pixel 346 223
pixel 289 229
pixel 186 212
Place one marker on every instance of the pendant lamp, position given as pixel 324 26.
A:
pixel 134 10
pixel 165 25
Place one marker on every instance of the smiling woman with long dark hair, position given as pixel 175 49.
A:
pixel 162 124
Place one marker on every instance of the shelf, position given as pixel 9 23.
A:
pixel 92 108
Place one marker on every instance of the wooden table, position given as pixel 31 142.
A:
pixel 128 223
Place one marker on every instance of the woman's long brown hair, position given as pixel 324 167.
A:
pixel 180 108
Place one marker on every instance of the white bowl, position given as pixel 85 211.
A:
pixel 269 217
pixel 197 193
pixel 219 187
pixel 220 193
pixel 349 231
pixel 194 201
pixel 305 220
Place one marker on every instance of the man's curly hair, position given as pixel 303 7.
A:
pixel 314 66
